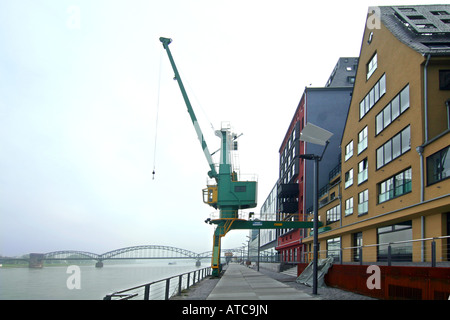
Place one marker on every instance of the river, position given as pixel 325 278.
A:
pixel 51 283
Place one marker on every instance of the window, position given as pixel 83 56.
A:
pixel 392 111
pixel 439 13
pixel 386 190
pixel 438 166
pixel 404 99
pixel 334 248
pixel 372 66
pixel 334 214
pixel 362 140
pixel 395 186
pixel 395 233
pixel 357 242
pixel 369 40
pixel 406 139
pixel 362 171
pixel 372 97
pixel 416 17
pixel 407 9
pixel 349 178
pixel 394 147
pixel 363 202
pixel 349 150
pixel 444 79
pixel 349 206
pixel 425 26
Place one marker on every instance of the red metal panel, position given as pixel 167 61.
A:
pixel 397 282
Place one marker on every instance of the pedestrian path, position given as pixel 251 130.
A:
pixel 242 283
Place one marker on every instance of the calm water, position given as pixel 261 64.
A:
pixel 51 282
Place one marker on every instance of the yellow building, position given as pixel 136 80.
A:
pixel 394 182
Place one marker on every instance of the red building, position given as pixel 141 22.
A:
pixel 290 188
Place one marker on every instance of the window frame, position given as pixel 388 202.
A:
pixel 379 89
pixel 387 146
pixel 348 151
pixel 393 191
pixel 363 144
pixel 348 206
pixel 442 77
pixel 363 206
pixel 334 214
pixel 363 175
pixel 396 104
pixel 348 182
pixel 372 65
pixel 438 156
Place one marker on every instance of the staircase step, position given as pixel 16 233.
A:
pixel 291 272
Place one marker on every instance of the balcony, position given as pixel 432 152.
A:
pixel 289 206
pixel 289 190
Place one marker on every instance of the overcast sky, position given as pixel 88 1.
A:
pixel 83 85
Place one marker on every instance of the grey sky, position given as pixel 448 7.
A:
pixel 78 103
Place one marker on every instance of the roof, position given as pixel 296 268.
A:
pixel 424 28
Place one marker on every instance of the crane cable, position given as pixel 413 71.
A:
pixel 157 116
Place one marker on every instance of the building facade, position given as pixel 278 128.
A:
pixel 268 237
pixel 325 107
pixel 394 185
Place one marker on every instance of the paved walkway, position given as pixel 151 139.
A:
pixel 242 283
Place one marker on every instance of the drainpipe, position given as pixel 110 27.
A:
pixel 419 149
pixel 425 96
pixel 340 205
pixel 447 103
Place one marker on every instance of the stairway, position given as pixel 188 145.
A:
pixel 291 271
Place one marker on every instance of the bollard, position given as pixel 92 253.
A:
pixel 180 280
pixel 147 292
pixel 433 253
pixel 389 254
pixel 167 289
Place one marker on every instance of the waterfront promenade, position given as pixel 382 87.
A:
pixel 239 282
pixel 242 283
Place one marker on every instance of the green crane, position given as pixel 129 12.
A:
pixel 228 195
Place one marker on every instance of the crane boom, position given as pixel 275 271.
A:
pixel 198 130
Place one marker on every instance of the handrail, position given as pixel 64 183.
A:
pixel 122 295
pixel 389 256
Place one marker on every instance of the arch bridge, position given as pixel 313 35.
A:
pixel 129 253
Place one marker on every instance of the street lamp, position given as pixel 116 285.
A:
pixel 313 134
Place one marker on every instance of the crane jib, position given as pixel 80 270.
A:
pixel 213 172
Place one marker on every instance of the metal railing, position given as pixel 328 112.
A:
pixel 420 252
pixel 162 289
